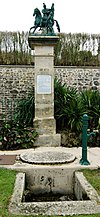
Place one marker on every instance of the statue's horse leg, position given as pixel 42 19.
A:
pixel 33 27
pixel 57 25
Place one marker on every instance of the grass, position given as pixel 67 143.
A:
pixel 93 176
pixel 7 179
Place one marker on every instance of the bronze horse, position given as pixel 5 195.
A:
pixel 40 22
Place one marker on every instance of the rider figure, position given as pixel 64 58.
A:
pixel 52 9
pixel 45 12
pixel 50 20
pixel 48 17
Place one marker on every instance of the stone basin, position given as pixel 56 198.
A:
pixel 38 180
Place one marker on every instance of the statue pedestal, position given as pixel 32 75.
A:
pixel 44 121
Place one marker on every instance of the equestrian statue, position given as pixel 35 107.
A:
pixel 45 21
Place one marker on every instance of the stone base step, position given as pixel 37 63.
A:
pixel 49 140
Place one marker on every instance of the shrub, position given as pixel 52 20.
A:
pixel 19 132
pixel 13 136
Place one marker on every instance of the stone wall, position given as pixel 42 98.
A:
pixel 79 77
pixel 17 81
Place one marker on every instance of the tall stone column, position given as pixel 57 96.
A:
pixel 44 122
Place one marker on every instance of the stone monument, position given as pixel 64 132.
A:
pixel 42 40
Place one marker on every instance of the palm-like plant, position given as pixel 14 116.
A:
pixel 70 106
pixel 68 109
pixel 59 103
pixel 75 113
pixel 90 100
pixel 24 112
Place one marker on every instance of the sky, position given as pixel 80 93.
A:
pixel 75 16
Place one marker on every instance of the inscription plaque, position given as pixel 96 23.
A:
pixel 43 84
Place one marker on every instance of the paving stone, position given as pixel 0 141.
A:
pixel 7 159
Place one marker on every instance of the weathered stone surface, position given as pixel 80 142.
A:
pixel 83 188
pixel 46 178
pixel 54 156
pixel 15 82
pixel 45 125
pixel 96 83
pixel 62 208
pixel 19 188
pixel 48 140
pixel 40 40
pixel 78 77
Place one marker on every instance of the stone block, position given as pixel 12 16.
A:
pixel 35 41
pixel 45 111
pixel 41 61
pixel 45 125
pixel 47 140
